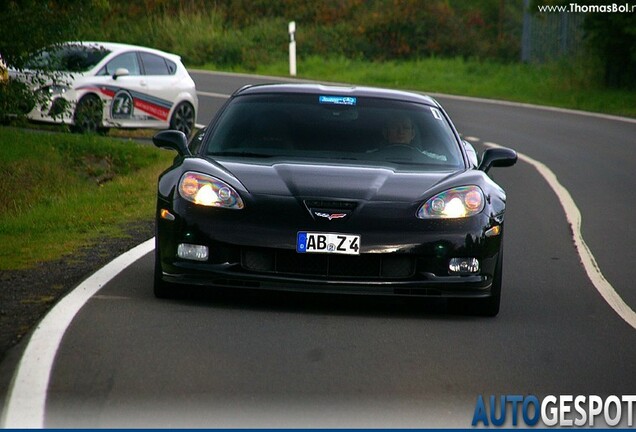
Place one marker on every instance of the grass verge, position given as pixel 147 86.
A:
pixel 60 192
pixel 565 85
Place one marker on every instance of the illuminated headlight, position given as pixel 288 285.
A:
pixel 55 89
pixel 454 203
pixel 209 191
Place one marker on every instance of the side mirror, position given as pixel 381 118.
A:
pixel 172 140
pixel 120 72
pixel 497 157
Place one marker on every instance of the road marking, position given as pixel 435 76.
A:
pixel 26 400
pixel 537 107
pixel 269 78
pixel 573 215
pixel 433 94
pixel 214 95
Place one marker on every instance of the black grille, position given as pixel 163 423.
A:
pixel 372 266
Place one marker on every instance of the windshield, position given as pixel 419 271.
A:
pixel 335 127
pixel 68 58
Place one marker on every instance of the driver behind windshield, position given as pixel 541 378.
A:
pixel 399 135
pixel 399 130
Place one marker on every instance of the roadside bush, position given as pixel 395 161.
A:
pixel 251 32
pixel 15 99
pixel 611 38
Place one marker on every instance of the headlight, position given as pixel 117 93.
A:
pixel 55 89
pixel 454 203
pixel 208 191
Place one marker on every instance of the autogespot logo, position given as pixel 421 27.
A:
pixel 559 411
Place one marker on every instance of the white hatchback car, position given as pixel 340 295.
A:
pixel 93 86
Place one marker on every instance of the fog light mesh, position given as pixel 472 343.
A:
pixel 192 252
pixel 463 266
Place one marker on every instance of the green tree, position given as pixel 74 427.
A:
pixel 612 38
pixel 29 25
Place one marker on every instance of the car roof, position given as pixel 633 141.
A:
pixel 340 90
pixel 117 47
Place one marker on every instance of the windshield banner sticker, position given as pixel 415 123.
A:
pixel 337 100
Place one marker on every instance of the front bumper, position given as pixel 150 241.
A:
pixel 433 286
pixel 247 252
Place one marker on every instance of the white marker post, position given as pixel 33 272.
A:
pixel 292 48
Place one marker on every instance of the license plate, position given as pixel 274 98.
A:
pixel 328 243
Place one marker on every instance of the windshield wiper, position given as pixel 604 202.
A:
pixel 241 154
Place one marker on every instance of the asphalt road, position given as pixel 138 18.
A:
pixel 277 360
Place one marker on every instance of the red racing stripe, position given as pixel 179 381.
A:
pixel 154 110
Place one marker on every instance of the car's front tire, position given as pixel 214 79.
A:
pixel 161 288
pixel 183 118
pixel 483 306
pixel 88 115
pixel 489 306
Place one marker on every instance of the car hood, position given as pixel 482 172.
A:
pixel 368 183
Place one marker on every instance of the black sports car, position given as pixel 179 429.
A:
pixel 331 189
